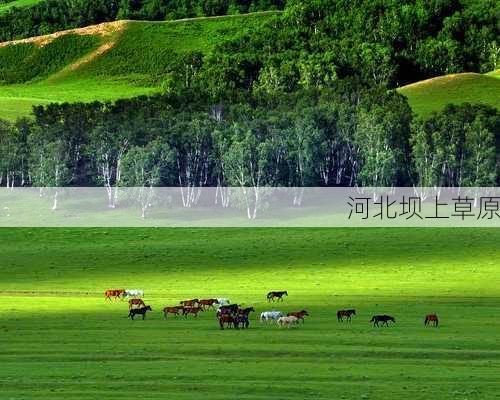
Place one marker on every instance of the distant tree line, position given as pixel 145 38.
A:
pixel 343 136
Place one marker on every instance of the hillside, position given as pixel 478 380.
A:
pixel 106 62
pixel 433 94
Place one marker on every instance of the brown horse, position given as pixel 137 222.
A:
pixel 431 318
pixel 208 303
pixel 191 310
pixel 113 293
pixel 136 302
pixel 345 313
pixel 229 320
pixel 172 310
pixel 189 303
pixel 298 314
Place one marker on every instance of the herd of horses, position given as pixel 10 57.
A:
pixel 234 316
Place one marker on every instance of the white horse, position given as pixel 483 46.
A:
pixel 270 316
pixel 134 293
pixel 223 301
pixel 287 321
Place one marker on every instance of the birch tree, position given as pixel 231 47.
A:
pixel 107 149
pixel 10 156
pixel 49 168
pixel 244 166
pixel 221 141
pixel 142 170
pixel 480 157
pixel 191 147
pixel 378 157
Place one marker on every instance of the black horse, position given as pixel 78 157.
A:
pixel 231 309
pixel 235 321
pixel 345 313
pixel 276 295
pixel 382 318
pixel 142 311
pixel 245 311
pixel 242 321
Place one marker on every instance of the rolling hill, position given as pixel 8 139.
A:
pixel 109 61
pixel 124 59
pixel 433 94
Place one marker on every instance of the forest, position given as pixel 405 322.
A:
pixel 344 136
pixel 304 100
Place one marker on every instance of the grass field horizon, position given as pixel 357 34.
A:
pixel 65 341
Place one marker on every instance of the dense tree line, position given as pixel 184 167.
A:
pixel 54 15
pixel 343 136
pixel 383 42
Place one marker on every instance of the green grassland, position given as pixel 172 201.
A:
pixel 433 94
pixel 61 340
pixel 134 59
pixel 4 7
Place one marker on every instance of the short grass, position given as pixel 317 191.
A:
pixel 433 94
pixel 61 340
pixel 4 7
pixel 138 61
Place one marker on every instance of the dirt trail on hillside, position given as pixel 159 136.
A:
pixel 104 29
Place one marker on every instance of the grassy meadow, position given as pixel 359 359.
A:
pixel 63 341
pixel 121 59
pixel 433 94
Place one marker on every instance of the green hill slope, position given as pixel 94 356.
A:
pixel 4 7
pixel 433 94
pixel 106 62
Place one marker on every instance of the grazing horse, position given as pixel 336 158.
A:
pixel 287 321
pixel 345 313
pixel 191 310
pixel 134 293
pixel 431 318
pixel 208 303
pixel 299 314
pixel 136 302
pixel 245 311
pixel 114 293
pixel 382 318
pixel 267 316
pixel 172 310
pixel 134 311
pixel 276 295
pixel 189 303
